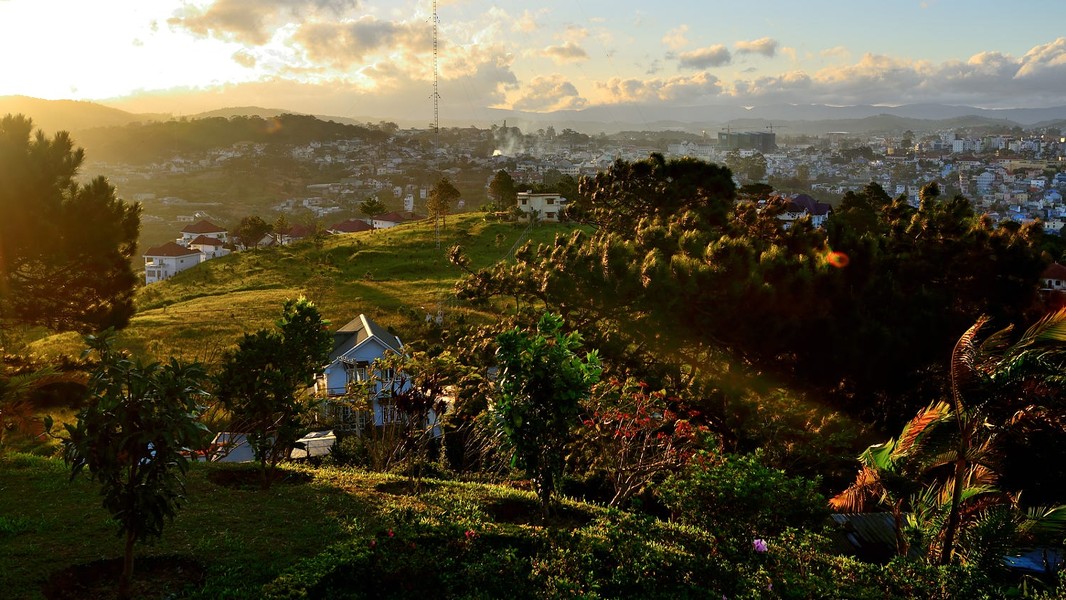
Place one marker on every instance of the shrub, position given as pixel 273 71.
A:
pixel 740 498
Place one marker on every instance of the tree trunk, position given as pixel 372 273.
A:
pixel 953 516
pixel 127 568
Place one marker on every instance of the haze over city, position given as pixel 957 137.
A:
pixel 375 58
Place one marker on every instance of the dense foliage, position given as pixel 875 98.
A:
pixel 541 384
pixel 65 247
pixel 261 381
pixel 863 312
pixel 132 437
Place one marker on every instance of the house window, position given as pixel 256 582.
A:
pixel 355 373
pixel 389 414
pixel 525 201
pixel 550 200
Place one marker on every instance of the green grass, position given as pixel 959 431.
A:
pixel 203 311
pixel 245 537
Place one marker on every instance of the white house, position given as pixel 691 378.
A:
pixel 166 261
pixel 392 219
pixel 545 206
pixel 356 346
pixel 210 247
pixel 202 227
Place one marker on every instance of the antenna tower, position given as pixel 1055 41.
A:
pixel 436 110
pixel 436 95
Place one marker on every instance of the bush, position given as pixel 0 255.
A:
pixel 740 498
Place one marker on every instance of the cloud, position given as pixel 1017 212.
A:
pixel 675 38
pixel 790 52
pixel 985 79
pixel 699 87
pixel 244 58
pixel 575 34
pixel 704 58
pixel 347 43
pixel 565 53
pixel 527 23
pixel 764 46
pixel 836 52
pixel 252 23
pixel 548 94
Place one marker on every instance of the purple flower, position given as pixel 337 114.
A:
pixel 759 545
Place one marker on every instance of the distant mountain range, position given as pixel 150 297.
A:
pixel 788 119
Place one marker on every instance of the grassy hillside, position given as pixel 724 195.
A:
pixel 343 533
pixel 200 312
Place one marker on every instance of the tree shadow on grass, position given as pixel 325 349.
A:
pixel 153 577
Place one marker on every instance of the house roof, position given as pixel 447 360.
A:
pixel 812 206
pixel 869 536
pixel 297 231
pixel 399 217
pixel 350 226
pixel 206 240
pixel 359 330
pixel 170 249
pixel 203 226
pixel 1054 271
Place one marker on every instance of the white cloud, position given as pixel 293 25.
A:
pixel 688 89
pixel 566 53
pixel 549 93
pixel 675 38
pixel 254 23
pixel 764 46
pixel 703 58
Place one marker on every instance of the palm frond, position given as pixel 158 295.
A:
pixel 964 361
pixel 913 433
pixel 1043 523
pixel 857 497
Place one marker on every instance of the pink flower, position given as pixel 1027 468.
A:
pixel 391 534
pixel 759 545
pixel 471 534
pixel 373 543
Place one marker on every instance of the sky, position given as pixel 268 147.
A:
pixel 374 58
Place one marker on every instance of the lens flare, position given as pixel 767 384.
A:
pixel 837 259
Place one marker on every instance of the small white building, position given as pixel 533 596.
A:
pixel 202 228
pixel 545 206
pixel 209 246
pixel 166 261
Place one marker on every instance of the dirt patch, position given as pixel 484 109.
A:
pixel 252 479
pixel 153 577
pixel 407 487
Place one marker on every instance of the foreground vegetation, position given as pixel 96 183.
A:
pixel 350 533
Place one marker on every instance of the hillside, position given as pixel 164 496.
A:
pixel 70 115
pixel 347 533
pixel 395 275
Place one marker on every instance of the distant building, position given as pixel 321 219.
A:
pixel 762 141
pixel 546 206
pixel 209 246
pixel 166 261
pixel 203 227
pixel 392 219
pixel 802 205
pixel 349 226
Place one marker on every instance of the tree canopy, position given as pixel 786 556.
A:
pixel 65 247
pixel 862 311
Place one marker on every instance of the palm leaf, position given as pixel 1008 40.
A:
pixel 918 428
pixel 857 497
pixel 964 362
